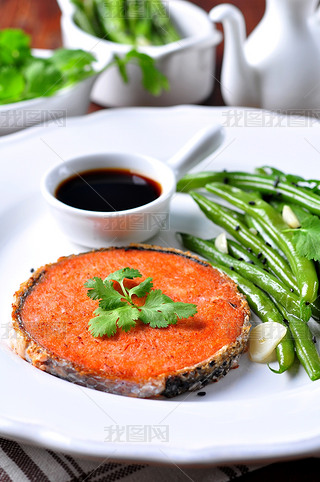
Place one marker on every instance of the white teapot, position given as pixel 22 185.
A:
pixel 278 66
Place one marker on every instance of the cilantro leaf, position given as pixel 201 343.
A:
pixel 307 238
pixel 155 318
pixel 14 47
pixel 152 79
pixel 123 273
pixel 12 85
pixel 142 289
pixel 31 76
pixel 179 309
pixel 24 76
pixel 97 288
pixel 104 323
pixel 74 64
pixel 127 317
pixel 42 78
pixel 117 310
pixel 160 311
pixel 155 299
pixel 110 299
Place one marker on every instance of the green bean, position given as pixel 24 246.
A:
pixel 305 348
pixel 112 16
pixel 276 263
pixel 268 185
pixel 84 19
pixel 254 223
pixel 308 184
pixel 261 183
pixel 236 249
pixel 133 22
pixel 256 275
pixel 264 308
pixel 225 218
pixel 189 182
pixel 162 23
pixel 274 226
pixel 240 253
pixel 143 26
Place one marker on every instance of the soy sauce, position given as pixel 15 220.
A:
pixel 107 190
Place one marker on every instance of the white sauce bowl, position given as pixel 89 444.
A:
pixel 98 229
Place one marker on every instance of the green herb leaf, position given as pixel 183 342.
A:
pixel 12 85
pixel 307 238
pixel 123 273
pixel 110 299
pixel 74 64
pixel 127 317
pixel 24 76
pixel 142 289
pixel 42 78
pixel 105 322
pixel 160 311
pixel 14 47
pixel 152 79
pixel 118 309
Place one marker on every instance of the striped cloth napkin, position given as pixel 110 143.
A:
pixel 22 463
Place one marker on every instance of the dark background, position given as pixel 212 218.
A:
pixel 41 19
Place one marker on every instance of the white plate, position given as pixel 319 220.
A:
pixel 250 415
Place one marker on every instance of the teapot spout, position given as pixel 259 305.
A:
pixel 239 80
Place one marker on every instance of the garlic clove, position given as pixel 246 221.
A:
pixel 263 340
pixel 253 231
pixel 221 243
pixel 290 218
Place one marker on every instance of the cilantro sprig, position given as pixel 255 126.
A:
pixel 25 76
pixel 307 237
pixel 152 79
pixel 117 309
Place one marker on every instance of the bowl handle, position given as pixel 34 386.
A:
pixel 200 146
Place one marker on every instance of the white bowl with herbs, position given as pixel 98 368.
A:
pixel 164 54
pixel 41 86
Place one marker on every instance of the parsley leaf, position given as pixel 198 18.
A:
pixel 307 237
pixel 118 310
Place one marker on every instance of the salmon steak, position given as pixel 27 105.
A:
pixel 51 314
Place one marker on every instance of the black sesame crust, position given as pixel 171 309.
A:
pixel 209 372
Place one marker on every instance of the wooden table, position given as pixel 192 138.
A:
pixel 41 19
